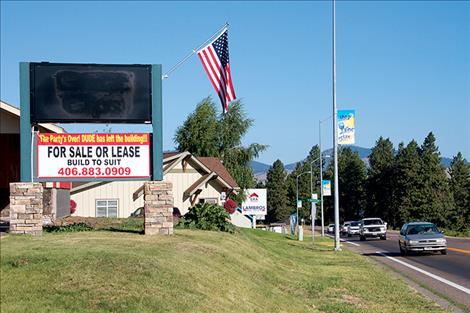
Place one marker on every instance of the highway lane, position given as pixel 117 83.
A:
pixel 453 267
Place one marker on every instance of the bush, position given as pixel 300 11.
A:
pixel 230 206
pixel 75 227
pixel 207 217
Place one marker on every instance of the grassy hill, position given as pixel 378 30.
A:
pixel 193 271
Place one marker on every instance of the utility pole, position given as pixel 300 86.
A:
pixel 321 182
pixel 335 136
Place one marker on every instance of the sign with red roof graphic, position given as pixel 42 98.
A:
pixel 255 203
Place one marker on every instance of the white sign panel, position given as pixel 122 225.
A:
pixel 256 202
pixel 98 156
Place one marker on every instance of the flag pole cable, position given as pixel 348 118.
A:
pixel 177 65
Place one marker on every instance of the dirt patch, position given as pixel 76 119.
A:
pixel 353 300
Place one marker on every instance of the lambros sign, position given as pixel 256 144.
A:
pixel 255 203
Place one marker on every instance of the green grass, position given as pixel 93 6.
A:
pixel 194 271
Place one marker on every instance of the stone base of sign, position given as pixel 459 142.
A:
pixel 158 206
pixel 26 206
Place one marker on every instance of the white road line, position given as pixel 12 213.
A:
pixel 352 243
pixel 443 280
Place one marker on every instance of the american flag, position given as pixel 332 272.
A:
pixel 215 59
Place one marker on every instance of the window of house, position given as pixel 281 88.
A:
pixel 107 208
pixel 208 200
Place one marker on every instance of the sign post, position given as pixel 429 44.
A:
pixel 314 213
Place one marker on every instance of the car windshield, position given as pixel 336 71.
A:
pixel 354 224
pixel 373 222
pixel 421 229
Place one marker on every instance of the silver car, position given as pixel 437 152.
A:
pixel 421 237
pixel 353 229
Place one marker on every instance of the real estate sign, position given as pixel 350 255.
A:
pixel 255 202
pixel 93 156
pixel 346 127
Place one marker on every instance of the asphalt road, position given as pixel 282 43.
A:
pixel 447 275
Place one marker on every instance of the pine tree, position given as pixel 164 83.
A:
pixel 277 193
pixel 298 187
pixel 352 180
pixel 437 201
pixel 460 186
pixel 407 184
pixel 379 181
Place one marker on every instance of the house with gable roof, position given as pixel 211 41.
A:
pixel 195 180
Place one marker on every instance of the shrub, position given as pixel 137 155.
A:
pixel 230 206
pixel 67 228
pixel 207 217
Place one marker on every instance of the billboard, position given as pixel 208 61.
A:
pixel 78 157
pixel 346 127
pixel 326 186
pixel 90 93
pixel 255 202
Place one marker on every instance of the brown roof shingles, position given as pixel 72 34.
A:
pixel 215 165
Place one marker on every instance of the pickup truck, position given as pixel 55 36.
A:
pixel 372 227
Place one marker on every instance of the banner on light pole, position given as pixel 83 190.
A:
pixel 326 186
pixel 346 127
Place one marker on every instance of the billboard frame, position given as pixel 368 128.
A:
pixel 27 166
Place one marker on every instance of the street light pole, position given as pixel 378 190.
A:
pixel 297 195
pixel 321 175
pixel 335 136
pixel 321 182
pixel 311 193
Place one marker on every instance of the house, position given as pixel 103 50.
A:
pixel 195 180
pixel 10 144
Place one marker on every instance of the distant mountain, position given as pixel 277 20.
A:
pixel 363 154
pixel 260 169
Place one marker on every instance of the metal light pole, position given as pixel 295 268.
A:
pixel 312 205
pixel 297 195
pixel 335 136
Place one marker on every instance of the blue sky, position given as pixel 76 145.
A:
pixel 403 66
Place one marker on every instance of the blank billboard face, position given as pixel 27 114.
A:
pixel 90 93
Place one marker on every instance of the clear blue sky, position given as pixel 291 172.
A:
pixel 403 66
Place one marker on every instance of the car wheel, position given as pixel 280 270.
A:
pixel 384 237
pixel 362 238
pixel 444 251
pixel 349 235
pixel 403 251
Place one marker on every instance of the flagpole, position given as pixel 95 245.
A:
pixel 335 136
pixel 177 65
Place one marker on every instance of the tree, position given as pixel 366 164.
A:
pixel 406 184
pixel 301 187
pixel 278 209
pixel 206 134
pixel 379 182
pixel 460 186
pixel 352 179
pixel 437 202
pixel 199 133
